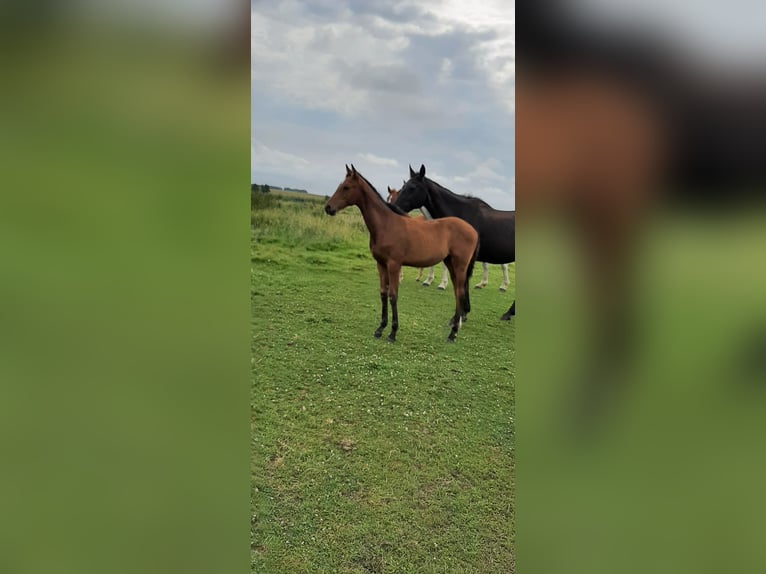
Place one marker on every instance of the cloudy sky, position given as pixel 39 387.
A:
pixel 383 84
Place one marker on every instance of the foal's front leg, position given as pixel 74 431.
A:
pixel 383 274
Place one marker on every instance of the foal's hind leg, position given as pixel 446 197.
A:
pixel 484 277
pixel 458 282
pixel 383 275
pixel 393 295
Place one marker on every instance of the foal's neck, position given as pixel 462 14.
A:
pixel 374 210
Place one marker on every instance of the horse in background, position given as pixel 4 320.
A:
pixel 485 277
pixel 397 239
pixel 496 228
pixel 393 194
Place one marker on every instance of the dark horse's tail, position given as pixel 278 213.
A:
pixel 469 272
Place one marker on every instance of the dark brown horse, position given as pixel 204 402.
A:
pixel 397 239
pixel 497 229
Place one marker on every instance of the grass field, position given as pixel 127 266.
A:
pixel 369 456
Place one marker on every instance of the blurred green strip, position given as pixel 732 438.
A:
pixel 123 304
pixel 669 478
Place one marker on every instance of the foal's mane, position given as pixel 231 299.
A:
pixel 391 206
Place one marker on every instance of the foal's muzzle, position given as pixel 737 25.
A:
pixel 329 210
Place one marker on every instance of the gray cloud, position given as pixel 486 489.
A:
pixel 386 78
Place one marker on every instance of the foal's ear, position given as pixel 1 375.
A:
pixel 348 171
pixel 412 172
pixel 422 172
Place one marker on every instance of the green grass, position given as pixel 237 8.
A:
pixel 369 456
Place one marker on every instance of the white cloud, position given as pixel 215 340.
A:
pixel 311 62
pixel 263 157
pixel 485 171
pixel 377 160
pixel 495 56
pixel 445 70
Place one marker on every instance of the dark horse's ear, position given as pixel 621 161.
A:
pixel 422 172
pixel 412 172
pixel 353 169
pixel 348 171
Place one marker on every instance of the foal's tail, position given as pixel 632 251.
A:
pixel 468 273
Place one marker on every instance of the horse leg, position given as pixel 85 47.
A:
pixel 383 274
pixel 509 313
pixel 430 278
pixel 466 302
pixel 420 274
pixel 458 283
pixel 504 284
pixel 484 277
pixel 443 284
pixel 393 292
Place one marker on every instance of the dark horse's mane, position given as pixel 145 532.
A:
pixel 457 195
pixel 391 206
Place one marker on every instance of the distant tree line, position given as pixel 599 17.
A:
pixel 266 188
pixel 262 188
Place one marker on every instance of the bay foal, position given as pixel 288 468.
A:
pixel 393 194
pixel 397 239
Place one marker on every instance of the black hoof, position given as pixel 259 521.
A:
pixel 450 339
pixel 377 334
pixel 506 317
pixel 391 339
